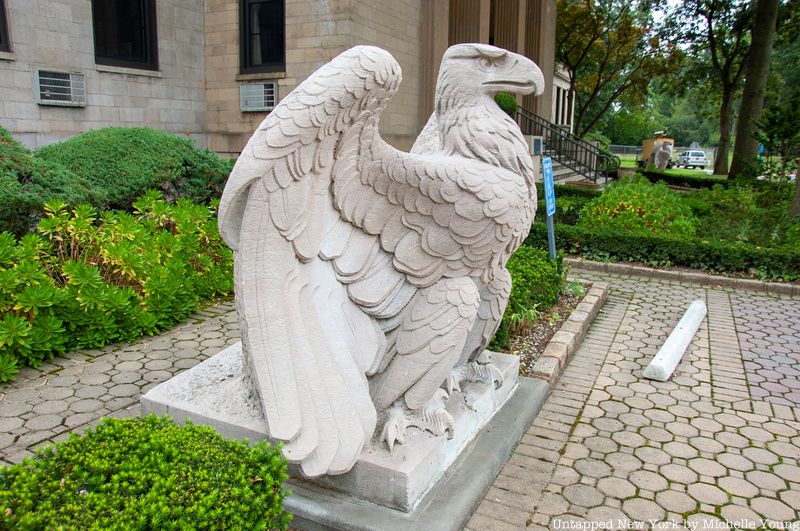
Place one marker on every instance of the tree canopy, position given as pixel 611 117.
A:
pixel 611 50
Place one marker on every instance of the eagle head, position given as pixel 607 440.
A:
pixel 495 69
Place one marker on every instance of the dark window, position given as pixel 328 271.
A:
pixel 5 42
pixel 263 36
pixel 125 33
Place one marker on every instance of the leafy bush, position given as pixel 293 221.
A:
pixel 508 103
pixel 637 205
pixel 121 163
pixel 612 244
pixel 603 142
pixel 27 182
pixel 536 284
pixel 146 473
pixel 90 279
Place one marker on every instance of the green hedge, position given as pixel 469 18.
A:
pixel 27 182
pixel 695 181
pixel 122 163
pixel 146 473
pixel 537 282
pixel 608 244
pixel 89 279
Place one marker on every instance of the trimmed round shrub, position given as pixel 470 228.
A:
pixel 536 285
pixel 508 103
pixel 146 473
pixel 637 205
pixel 121 163
pixel 27 183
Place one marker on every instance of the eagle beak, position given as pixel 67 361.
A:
pixel 521 77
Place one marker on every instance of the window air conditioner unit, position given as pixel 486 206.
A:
pixel 255 97
pixel 61 88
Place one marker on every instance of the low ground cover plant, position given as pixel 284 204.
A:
pixel 537 282
pixel 634 204
pixel 146 473
pixel 89 278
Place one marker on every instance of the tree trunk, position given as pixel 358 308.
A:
pixel 721 162
pixel 745 150
pixel 794 208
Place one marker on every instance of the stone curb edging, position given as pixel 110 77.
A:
pixel 774 288
pixel 565 342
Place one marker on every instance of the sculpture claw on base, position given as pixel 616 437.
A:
pixel 432 416
pixel 478 371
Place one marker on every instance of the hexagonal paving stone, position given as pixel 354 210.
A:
pixel 678 473
pixel 628 439
pixel 647 480
pixel 600 444
pixel 756 434
pixel 705 444
pixel 773 509
pixel 709 494
pixel 86 405
pixel 679 449
pixel 760 455
pixel 676 502
pixel 735 462
pixel 50 407
pixel 43 422
pixel 592 468
pixel 652 433
pixel 623 462
pixel 765 480
pixel 652 455
pixel 706 467
pixel 583 495
pixel 616 487
pixel 641 510
pixel 738 513
pixel 124 390
pixel 738 486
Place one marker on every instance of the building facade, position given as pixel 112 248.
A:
pixel 212 69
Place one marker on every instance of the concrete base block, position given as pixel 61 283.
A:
pixel 213 393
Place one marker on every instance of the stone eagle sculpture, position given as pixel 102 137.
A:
pixel 367 277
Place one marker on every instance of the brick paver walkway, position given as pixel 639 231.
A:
pixel 719 441
pixel 716 447
pixel 76 390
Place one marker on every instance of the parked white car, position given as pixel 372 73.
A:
pixel 692 159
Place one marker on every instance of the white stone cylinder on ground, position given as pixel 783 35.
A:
pixel 671 352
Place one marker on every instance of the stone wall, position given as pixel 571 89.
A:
pixel 396 27
pixel 316 31
pixel 57 35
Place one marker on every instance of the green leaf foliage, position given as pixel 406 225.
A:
pixel 637 205
pixel 90 278
pixel 508 103
pixel 27 182
pixel 146 473
pixel 121 163
pixel 613 244
pixel 536 283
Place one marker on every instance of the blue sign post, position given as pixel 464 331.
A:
pixel 550 202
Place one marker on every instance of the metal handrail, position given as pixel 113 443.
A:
pixel 567 149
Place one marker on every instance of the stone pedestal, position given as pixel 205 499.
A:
pixel 383 488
